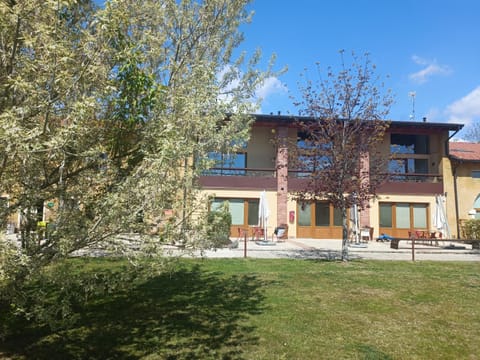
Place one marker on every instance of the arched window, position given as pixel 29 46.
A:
pixel 476 206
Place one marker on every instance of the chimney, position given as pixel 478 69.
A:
pixel 424 119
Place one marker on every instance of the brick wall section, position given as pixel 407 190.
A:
pixel 365 166
pixel 282 175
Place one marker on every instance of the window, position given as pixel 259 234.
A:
pixel 253 205
pixel 322 214
pixel 408 166
pixel 419 216
pixel 310 159
pixel 476 174
pixel 411 156
pixel 409 144
pixel 228 164
pixel 403 215
pixel 386 215
pixel 304 214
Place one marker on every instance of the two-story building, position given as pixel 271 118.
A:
pixel 406 201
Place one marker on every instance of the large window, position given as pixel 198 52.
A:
pixel 309 159
pixel 228 164
pixel 410 156
pixel 403 215
pixel 409 144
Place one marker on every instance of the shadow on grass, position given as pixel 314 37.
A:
pixel 188 314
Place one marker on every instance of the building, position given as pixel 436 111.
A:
pixel 407 201
pixel 465 180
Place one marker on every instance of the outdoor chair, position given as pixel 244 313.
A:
pixel 242 233
pixel 280 232
pixel 258 233
pixel 366 233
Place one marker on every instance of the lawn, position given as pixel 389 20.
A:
pixel 273 309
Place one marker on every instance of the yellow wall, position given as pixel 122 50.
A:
pixel 468 188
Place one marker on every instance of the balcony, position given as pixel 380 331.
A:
pixel 230 171
pixel 412 184
pixel 239 178
pixel 266 179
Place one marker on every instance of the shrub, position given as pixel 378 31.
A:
pixel 219 222
pixel 471 229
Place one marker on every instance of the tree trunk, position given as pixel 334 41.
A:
pixel 344 234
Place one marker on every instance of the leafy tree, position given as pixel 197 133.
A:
pixel 109 114
pixel 341 141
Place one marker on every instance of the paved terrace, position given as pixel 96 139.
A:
pixel 331 249
pixel 325 249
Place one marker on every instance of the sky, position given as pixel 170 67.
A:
pixel 430 48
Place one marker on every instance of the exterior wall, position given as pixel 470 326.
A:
pixel 449 190
pixel 468 189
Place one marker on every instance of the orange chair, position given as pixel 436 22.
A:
pixel 242 233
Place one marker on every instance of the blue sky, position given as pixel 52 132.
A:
pixel 430 47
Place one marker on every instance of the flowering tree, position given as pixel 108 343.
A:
pixel 340 151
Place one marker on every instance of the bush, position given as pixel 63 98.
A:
pixel 219 222
pixel 471 229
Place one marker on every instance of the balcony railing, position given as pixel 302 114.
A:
pixel 415 177
pixel 253 172
pixel 302 174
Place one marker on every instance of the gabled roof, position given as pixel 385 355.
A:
pixel 464 151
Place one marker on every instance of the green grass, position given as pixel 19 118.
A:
pixel 274 309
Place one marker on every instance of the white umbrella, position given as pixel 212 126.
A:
pixel 263 213
pixel 355 223
pixel 440 218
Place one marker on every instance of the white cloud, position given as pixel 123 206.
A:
pixel 430 68
pixel 465 110
pixel 271 85
pixel 229 79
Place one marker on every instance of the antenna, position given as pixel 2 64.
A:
pixel 412 94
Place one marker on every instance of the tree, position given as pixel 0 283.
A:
pixel 473 132
pixel 340 149
pixel 109 115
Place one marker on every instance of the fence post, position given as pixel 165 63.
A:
pixel 245 245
